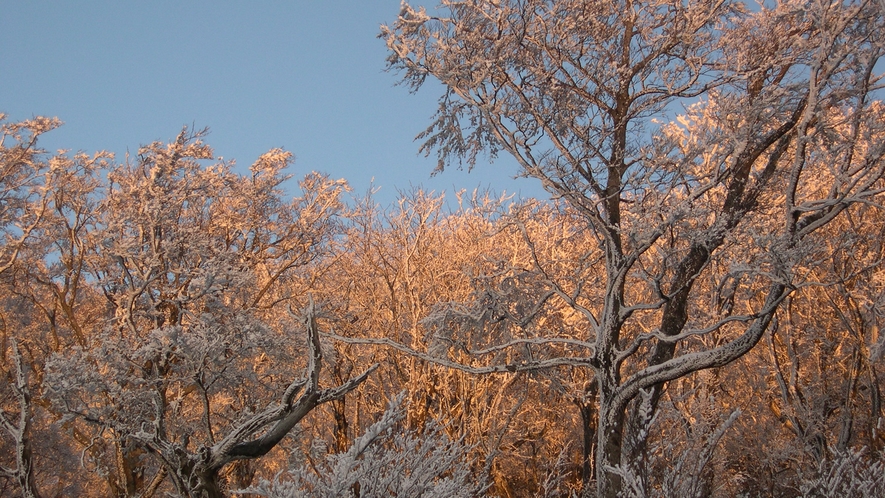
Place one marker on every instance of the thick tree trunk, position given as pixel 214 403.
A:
pixel 609 434
pixel 608 455
pixel 588 428
pixel 193 475
pixel 586 404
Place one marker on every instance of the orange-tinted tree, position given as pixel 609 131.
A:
pixel 689 135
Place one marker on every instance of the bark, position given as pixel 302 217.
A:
pixel 199 474
pixel 587 408
pixel 609 433
pixel 23 474
pixel 614 397
pixel 154 484
pixel 739 201
pixel 342 441
pixel 610 438
pixel 569 105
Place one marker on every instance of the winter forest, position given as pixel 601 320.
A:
pixel 695 310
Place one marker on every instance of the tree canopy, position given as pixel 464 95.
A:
pixel 696 310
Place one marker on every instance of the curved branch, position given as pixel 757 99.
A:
pixel 528 366
pixel 680 366
pixel 286 414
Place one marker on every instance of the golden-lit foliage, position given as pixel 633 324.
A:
pixel 696 312
pixel 197 256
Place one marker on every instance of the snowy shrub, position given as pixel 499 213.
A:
pixel 388 460
pixel 686 472
pixel 848 475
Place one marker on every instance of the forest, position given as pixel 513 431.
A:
pixel 694 311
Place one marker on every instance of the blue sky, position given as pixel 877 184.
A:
pixel 307 76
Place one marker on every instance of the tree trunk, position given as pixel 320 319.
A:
pixel 25 474
pixel 342 441
pixel 608 454
pixel 24 471
pixel 589 430
pixel 609 434
pixel 206 484
pixel 586 404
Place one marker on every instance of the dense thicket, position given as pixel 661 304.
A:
pixel 697 311
pixel 165 305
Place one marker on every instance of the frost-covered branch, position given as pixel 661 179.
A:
pixel 685 334
pixel 695 361
pixel 19 432
pixel 384 461
pixel 289 412
pixel 522 366
pixel 538 341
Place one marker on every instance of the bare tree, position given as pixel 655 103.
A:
pixel 21 210
pixel 689 135
pixel 193 363
pixel 48 305
pixel 196 473
pixel 23 196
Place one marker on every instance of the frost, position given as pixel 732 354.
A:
pixel 850 474
pixel 387 460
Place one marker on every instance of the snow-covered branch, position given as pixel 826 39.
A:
pixel 19 431
pixel 522 366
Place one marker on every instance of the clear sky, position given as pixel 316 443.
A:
pixel 305 75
